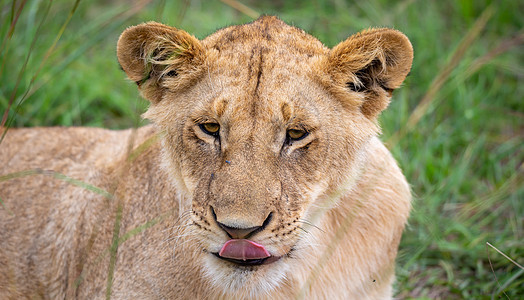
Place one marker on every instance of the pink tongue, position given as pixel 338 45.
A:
pixel 243 250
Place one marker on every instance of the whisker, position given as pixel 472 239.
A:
pixel 169 239
pixel 177 227
pixel 299 227
pixel 311 224
pixel 176 237
pixel 179 245
pixel 184 217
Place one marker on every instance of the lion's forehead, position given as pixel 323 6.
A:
pixel 261 88
pixel 270 33
pixel 262 55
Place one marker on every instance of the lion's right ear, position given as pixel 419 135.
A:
pixel 159 57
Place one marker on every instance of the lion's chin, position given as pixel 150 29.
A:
pixel 237 278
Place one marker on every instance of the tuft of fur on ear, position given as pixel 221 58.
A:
pixel 159 57
pixel 372 64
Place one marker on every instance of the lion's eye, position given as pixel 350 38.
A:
pixel 210 128
pixel 296 134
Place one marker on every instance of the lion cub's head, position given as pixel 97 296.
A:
pixel 261 123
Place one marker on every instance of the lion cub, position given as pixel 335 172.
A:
pixel 261 178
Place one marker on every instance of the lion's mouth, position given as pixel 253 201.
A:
pixel 245 253
pixel 250 262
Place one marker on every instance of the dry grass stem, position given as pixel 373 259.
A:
pixel 444 74
pixel 242 8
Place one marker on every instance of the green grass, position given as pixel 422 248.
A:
pixel 456 127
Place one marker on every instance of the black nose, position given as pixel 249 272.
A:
pixel 239 232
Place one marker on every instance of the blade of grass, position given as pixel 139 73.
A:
pixel 57 38
pixel 5 207
pixel 5 42
pixel 424 104
pixel 493 271
pixel 13 5
pixel 119 209
pixel 24 66
pixel 103 31
pixel 46 56
pixel 114 249
pixel 503 46
pixel 93 29
pixel 125 237
pixel 143 147
pixel 31 16
pixel 160 10
pixel 63 177
pixel 507 257
pixel 507 283
pixel 471 212
pixel 59 176
pixel 117 240
pixel 182 12
pixel 242 8
pixel 125 14
pixel 14 20
pixel 131 155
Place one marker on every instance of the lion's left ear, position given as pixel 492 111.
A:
pixel 371 63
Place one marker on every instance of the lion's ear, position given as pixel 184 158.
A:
pixel 372 63
pixel 157 57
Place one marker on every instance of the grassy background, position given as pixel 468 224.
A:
pixel 456 127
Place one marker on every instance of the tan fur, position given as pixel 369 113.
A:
pixel 337 199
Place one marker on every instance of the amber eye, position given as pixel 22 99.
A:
pixel 296 134
pixel 210 128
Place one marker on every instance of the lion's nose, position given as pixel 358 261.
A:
pixel 236 232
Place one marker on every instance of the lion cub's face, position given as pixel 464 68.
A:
pixel 262 125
